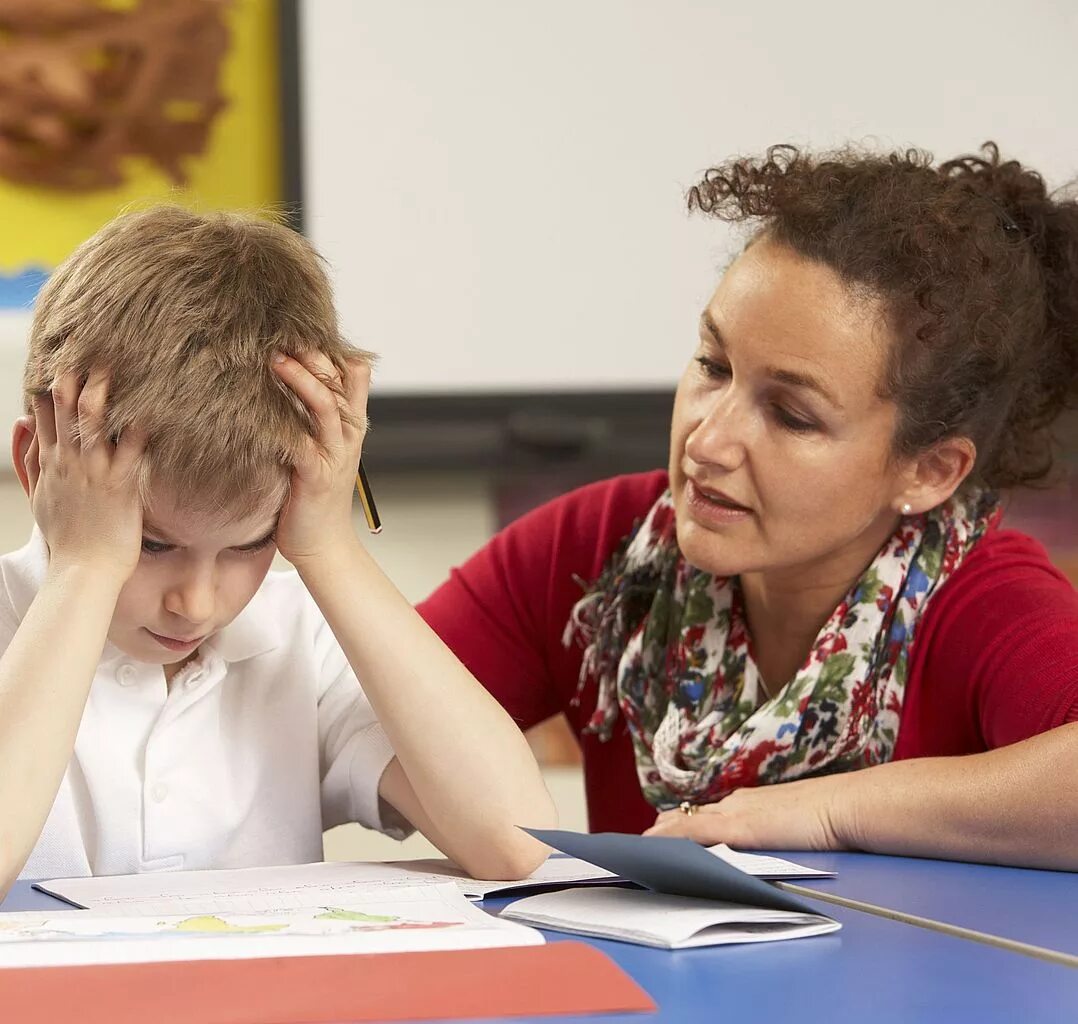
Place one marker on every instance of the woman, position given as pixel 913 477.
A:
pixel 811 631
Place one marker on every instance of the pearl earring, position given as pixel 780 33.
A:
pixel 907 508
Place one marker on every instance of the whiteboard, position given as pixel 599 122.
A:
pixel 498 185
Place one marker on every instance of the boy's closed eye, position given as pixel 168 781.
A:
pixel 157 547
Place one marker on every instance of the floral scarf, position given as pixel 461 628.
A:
pixel 669 646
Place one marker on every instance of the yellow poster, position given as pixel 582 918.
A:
pixel 109 104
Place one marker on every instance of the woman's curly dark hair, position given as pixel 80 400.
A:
pixel 977 267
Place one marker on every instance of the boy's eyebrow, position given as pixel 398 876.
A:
pixel 790 377
pixel 148 527
pixel 163 536
pixel 267 536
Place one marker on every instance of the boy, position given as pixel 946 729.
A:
pixel 165 702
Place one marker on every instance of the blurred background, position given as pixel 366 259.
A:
pixel 498 188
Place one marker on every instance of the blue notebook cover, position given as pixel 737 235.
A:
pixel 679 867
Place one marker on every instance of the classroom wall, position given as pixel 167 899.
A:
pixel 498 186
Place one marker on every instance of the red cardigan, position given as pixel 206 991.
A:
pixel 995 659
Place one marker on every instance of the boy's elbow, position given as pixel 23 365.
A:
pixel 507 865
pixel 526 862
pixel 516 856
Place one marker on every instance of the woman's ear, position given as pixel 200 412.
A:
pixel 23 446
pixel 936 474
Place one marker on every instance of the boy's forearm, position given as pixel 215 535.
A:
pixel 467 761
pixel 45 677
pixel 1013 805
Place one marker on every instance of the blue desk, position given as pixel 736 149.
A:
pixel 873 970
pixel 1035 907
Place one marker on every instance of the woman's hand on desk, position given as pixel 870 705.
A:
pixel 798 815
pixel 1003 806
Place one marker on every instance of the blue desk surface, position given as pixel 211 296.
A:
pixel 1037 907
pixel 873 970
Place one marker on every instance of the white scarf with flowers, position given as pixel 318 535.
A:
pixel 669 647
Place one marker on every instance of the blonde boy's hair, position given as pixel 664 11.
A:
pixel 184 311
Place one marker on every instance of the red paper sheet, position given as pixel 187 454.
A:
pixel 561 977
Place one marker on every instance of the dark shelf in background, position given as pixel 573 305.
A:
pixel 594 434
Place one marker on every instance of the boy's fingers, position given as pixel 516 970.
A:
pixel 130 447
pixel 91 407
pixel 45 420
pixel 333 378
pixel 322 367
pixel 32 464
pixel 357 384
pixel 320 401
pixel 64 399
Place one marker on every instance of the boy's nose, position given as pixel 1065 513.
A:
pixel 192 600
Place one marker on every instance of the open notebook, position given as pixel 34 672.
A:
pixel 656 919
pixel 691 897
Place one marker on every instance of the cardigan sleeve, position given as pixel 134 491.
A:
pixel 1006 643
pixel 504 611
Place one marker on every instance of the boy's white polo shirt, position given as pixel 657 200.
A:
pixel 262 742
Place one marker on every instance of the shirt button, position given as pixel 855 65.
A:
pixel 159 792
pixel 194 682
pixel 126 675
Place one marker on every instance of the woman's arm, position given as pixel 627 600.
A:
pixel 1012 805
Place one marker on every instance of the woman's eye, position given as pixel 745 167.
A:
pixel 792 422
pixel 713 369
pixel 153 547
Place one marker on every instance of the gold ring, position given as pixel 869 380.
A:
pixel 686 808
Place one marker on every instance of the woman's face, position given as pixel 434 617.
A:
pixel 780 455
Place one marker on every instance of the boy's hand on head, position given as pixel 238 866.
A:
pixel 83 487
pixel 317 518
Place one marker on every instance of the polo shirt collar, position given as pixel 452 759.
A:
pixel 249 634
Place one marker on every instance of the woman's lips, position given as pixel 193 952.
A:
pixel 711 508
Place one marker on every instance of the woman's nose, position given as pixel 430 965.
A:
pixel 720 436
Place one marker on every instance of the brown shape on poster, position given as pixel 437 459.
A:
pixel 85 83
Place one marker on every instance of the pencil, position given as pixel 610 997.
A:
pixel 366 499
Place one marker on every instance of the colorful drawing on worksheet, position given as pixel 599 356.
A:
pixel 108 105
pixel 313 922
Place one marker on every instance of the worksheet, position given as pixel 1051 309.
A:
pixel 382 920
pixel 296 885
